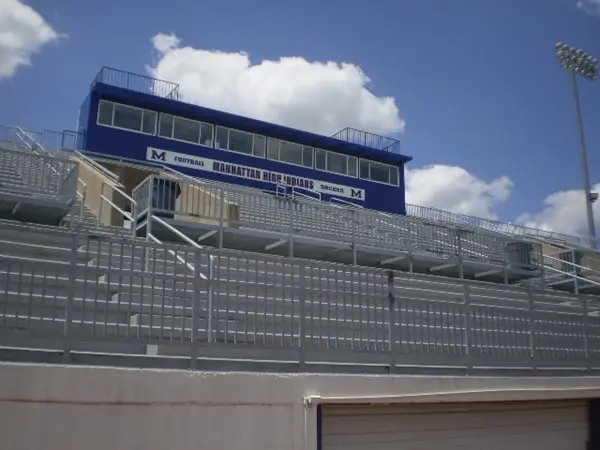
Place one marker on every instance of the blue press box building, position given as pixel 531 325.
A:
pixel 136 119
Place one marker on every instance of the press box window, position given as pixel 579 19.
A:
pixel 206 134
pixel 260 143
pixel 307 156
pixel 394 179
pixel 320 159
pixel 240 142
pixel 364 169
pixel 186 130
pixel 165 126
pixel 222 138
pixel 337 163
pixel 380 172
pixel 272 148
pixel 126 117
pixel 290 153
pixel 352 166
pixel 105 113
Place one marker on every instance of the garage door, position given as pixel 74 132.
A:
pixel 469 426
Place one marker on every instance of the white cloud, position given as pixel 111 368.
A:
pixel 589 6
pixel 314 96
pixel 23 32
pixel 563 211
pixel 454 189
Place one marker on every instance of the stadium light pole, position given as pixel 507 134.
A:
pixel 578 62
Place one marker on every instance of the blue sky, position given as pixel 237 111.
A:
pixel 476 81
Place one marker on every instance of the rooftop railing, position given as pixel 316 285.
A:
pixel 366 139
pixel 138 83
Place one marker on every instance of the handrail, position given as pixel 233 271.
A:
pixel 572 275
pixel 179 258
pixel 125 214
pixel 295 192
pixel 182 236
pixel 346 202
pixel 562 261
pixel 32 147
pixel 100 168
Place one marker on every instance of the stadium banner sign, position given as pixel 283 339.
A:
pixel 252 173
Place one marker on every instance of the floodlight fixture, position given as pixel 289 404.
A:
pixel 577 61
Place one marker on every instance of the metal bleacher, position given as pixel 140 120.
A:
pixel 228 216
pixel 236 279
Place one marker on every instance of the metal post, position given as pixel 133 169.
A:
pixel 391 321
pixel 532 328
pixel 101 202
pixel 461 268
pixel 354 221
pixel 584 165
pixel 195 302
pixel 467 324
pixel 302 330
pixel 222 217
pixel 210 296
pixel 149 221
pixel 68 327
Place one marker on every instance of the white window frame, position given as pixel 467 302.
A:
pixel 389 166
pixel 112 118
pixel 172 138
pixel 279 141
pixel 235 151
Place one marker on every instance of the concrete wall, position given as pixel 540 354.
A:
pixel 72 408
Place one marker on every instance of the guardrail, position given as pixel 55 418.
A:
pixel 366 139
pixel 281 310
pixel 137 83
pixel 43 174
pixel 439 215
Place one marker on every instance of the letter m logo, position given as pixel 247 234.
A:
pixel 158 155
pixel 356 193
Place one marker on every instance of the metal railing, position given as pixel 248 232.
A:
pixel 227 205
pixel 137 83
pixel 110 203
pixel 152 200
pixel 366 139
pixel 279 310
pixel 439 215
pixel 40 174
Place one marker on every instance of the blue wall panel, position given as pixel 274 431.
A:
pixel 131 145
pixel 84 120
pixel 241 123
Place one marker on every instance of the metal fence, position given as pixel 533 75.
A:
pixel 439 215
pixel 66 289
pixel 137 83
pixel 371 140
